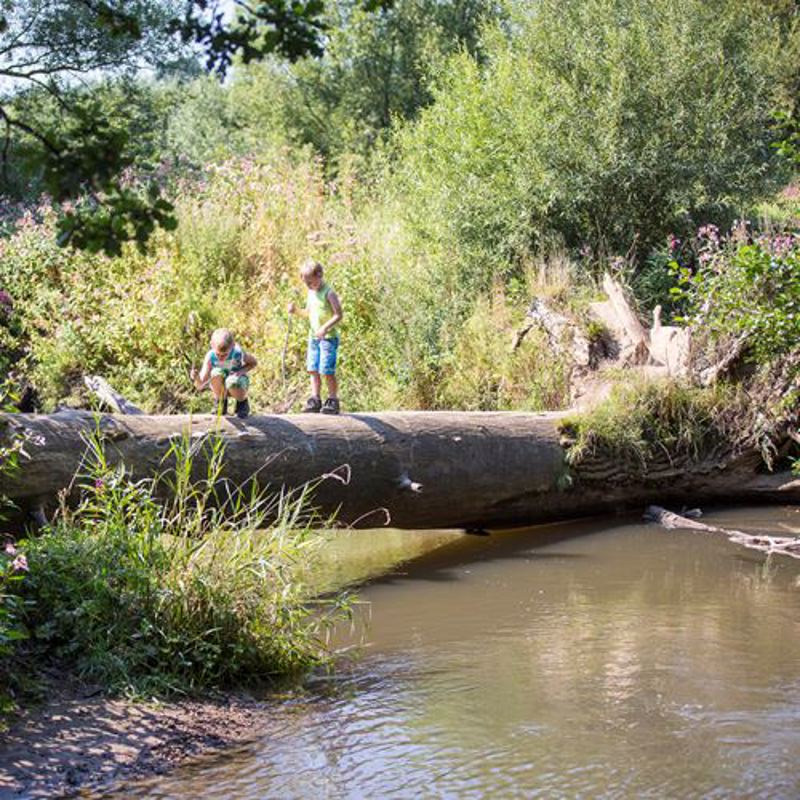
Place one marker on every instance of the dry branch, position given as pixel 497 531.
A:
pixel 106 394
pixel 783 545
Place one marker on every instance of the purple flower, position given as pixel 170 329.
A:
pixel 673 242
pixel 20 563
pixel 99 484
pixel 710 232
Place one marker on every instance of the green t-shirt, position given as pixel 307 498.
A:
pixel 319 310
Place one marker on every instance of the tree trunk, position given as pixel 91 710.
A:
pixel 421 469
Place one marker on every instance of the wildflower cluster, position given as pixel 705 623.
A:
pixel 745 284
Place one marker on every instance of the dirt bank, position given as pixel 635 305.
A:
pixel 79 743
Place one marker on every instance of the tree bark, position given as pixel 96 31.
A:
pixel 419 469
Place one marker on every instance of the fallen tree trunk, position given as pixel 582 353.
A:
pixel 423 469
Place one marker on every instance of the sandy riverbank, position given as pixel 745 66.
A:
pixel 74 744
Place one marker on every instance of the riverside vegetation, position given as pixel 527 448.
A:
pixel 473 156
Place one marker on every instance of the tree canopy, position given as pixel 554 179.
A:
pixel 55 50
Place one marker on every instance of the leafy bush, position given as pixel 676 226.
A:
pixel 746 286
pixel 608 124
pixel 146 595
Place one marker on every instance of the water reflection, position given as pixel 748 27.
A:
pixel 587 659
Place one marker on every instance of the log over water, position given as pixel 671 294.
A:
pixel 427 469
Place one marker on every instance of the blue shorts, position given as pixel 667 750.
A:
pixel 321 355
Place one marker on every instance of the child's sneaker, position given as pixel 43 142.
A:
pixel 312 405
pixel 331 406
pixel 243 408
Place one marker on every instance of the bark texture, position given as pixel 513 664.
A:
pixel 426 469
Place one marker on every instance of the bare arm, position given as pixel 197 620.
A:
pixel 200 379
pixel 336 307
pixel 293 308
pixel 250 363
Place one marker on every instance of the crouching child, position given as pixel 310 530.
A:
pixel 225 369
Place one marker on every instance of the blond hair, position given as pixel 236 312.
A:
pixel 220 338
pixel 310 267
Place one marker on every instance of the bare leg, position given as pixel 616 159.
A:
pixel 333 386
pixel 315 383
pixel 217 384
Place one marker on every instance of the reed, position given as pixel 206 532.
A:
pixel 207 589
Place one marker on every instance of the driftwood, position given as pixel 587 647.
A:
pixel 425 469
pixel 670 345
pixel 726 363
pixel 618 315
pixel 783 545
pixel 563 335
pixel 111 398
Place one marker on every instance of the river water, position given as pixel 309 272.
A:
pixel 602 658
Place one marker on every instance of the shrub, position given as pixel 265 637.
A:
pixel 606 123
pixel 745 286
pixel 146 595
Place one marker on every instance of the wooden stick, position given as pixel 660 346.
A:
pixel 105 392
pixel 784 545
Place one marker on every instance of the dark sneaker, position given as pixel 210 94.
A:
pixel 312 405
pixel 331 406
pixel 243 408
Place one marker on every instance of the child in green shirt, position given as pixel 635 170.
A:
pixel 324 312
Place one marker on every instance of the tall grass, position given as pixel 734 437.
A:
pixel 208 588
pixel 141 320
pixel 641 423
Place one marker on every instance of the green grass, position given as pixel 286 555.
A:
pixel 201 591
pixel 650 420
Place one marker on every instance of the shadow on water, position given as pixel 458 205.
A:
pixel 443 563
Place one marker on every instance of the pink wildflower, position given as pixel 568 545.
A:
pixel 20 563
pixel 710 232
pixel 10 549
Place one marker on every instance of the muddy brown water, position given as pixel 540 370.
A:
pixel 602 658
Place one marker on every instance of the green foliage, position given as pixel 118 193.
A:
pixel 607 124
pixel 654 281
pixel 13 567
pixel 82 153
pixel 666 421
pixel 481 371
pixel 246 116
pixel 413 336
pixel 377 68
pixel 204 590
pixel 746 286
